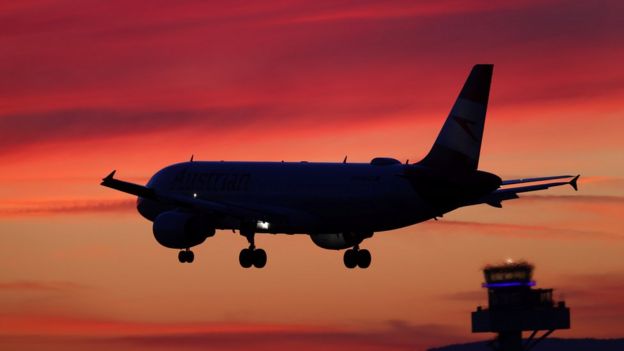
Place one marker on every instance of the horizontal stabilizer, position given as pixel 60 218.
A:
pixel 532 180
pixel 496 198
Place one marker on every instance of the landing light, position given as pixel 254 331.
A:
pixel 262 225
pixel 195 195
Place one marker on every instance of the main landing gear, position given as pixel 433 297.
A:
pixel 186 256
pixel 252 256
pixel 356 257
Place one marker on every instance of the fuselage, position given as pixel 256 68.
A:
pixel 319 197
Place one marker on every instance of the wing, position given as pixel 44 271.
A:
pixel 496 198
pixel 253 213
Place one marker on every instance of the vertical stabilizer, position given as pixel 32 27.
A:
pixel 458 145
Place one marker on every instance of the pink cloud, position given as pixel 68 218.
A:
pixel 189 65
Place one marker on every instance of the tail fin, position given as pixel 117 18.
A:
pixel 458 145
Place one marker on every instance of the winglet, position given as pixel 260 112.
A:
pixel 110 176
pixel 574 181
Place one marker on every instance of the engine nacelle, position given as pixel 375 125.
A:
pixel 339 241
pixel 179 230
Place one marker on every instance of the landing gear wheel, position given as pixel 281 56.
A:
pixel 363 258
pixel 259 258
pixel 350 258
pixel 186 256
pixel 190 256
pixel 246 258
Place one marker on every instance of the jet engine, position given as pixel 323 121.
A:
pixel 339 241
pixel 180 230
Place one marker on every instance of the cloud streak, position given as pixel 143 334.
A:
pixel 39 286
pixel 596 294
pixel 577 198
pixel 94 71
pixel 396 335
pixel 65 207
pixel 68 125
pixel 525 231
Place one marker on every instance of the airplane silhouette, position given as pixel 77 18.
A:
pixel 337 204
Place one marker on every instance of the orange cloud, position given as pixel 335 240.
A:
pixel 577 198
pixel 397 335
pixel 59 325
pixel 37 286
pixel 528 231
pixel 65 207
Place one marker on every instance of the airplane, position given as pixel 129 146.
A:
pixel 338 205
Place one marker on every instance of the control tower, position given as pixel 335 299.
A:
pixel 515 306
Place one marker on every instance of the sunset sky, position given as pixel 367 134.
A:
pixel 91 86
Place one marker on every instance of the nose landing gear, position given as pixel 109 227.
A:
pixel 186 256
pixel 357 258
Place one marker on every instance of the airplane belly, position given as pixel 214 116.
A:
pixel 371 214
pixel 372 209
